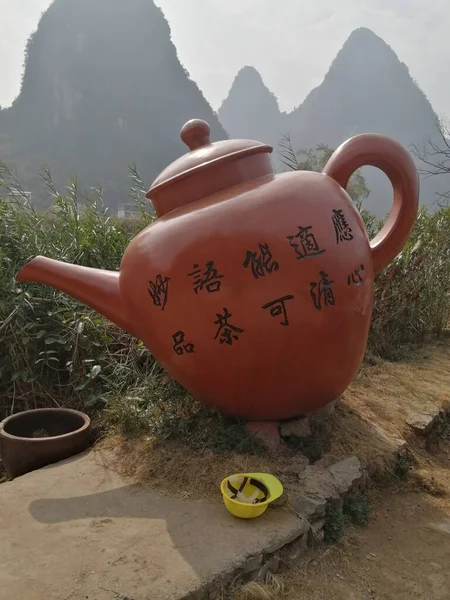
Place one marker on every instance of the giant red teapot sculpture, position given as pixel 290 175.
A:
pixel 253 290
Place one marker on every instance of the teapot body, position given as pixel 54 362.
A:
pixel 253 290
pixel 256 299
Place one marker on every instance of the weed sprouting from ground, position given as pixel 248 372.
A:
pixel 356 509
pixel 334 524
pixel 440 431
pixel 404 462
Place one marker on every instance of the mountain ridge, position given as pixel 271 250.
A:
pixel 102 88
pixel 367 89
pixel 251 110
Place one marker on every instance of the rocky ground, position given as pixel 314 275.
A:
pixel 402 554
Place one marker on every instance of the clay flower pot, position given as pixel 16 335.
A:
pixel 35 438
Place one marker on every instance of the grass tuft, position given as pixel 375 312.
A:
pixel 356 509
pixel 162 409
pixel 334 524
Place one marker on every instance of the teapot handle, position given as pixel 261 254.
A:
pixel 395 161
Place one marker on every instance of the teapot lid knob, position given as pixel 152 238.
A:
pixel 195 134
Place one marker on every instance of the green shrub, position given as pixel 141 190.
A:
pixel 334 524
pixel 356 509
pixel 55 350
pixel 412 300
pixel 404 462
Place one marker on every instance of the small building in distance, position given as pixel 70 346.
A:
pixel 18 196
pixel 127 211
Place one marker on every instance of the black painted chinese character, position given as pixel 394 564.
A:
pixel 261 263
pixel 209 279
pixel 342 229
pixel 322 292
pixel 225 330
pixel 179 346
pixel 159 290
pixel 355 277
pixel 304 243
pixel 278 307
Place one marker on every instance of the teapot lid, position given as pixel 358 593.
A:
pixel 203 154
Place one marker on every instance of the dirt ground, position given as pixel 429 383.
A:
pixel 402 554
pixel 388 392
pixel 404 551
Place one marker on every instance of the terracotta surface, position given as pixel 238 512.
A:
pixel 253 290
pixel 35 438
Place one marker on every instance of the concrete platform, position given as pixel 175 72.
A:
pixel 77 531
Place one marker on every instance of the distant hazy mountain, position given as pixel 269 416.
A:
pixel 102 88
pixel 251 109
pixel 367 89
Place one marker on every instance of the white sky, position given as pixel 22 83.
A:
pixel 291 42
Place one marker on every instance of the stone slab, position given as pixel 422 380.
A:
pixel 422 423
pixel 77 531
pixel 267 431
pixel 347 474
pixel 323 413
pixel 296 428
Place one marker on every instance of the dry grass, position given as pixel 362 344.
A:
pixel 387 393
pixel 274 589
pixel 352 434
pixel 168 467
pixel 384 396
pixel 311 578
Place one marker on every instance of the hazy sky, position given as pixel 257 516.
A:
pixel 291 42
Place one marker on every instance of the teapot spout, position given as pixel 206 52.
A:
pixel 97 288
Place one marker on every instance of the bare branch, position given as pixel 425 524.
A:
pixel 435 157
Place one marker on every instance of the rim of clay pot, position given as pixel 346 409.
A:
pixel 5 434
